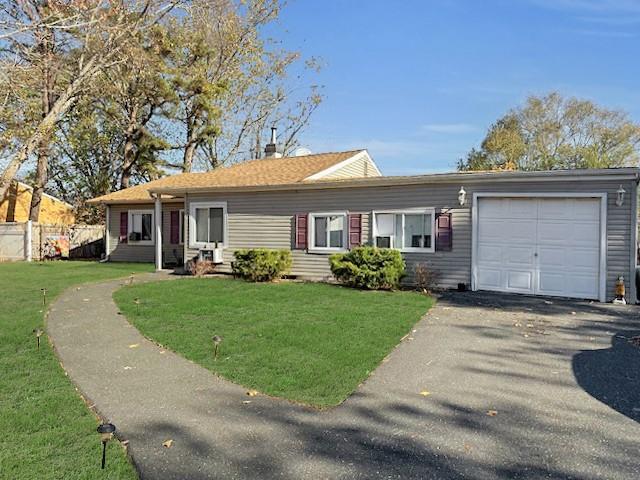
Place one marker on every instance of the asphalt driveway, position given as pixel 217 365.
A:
pixel 486 386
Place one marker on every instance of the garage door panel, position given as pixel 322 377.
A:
pixel 489 254
pixel 492 208
pixel 521 280
pixel 548 246
pixel 519 256
pixel 555 209
pixel 552 283
pixel 521 208
pixel 490 278
pixel 583 209
pixel 584 258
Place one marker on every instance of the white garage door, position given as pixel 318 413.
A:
pixel 541 246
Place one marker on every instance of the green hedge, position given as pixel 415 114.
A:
pixel 260 264
pixel 369 267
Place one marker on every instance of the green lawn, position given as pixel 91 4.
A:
pixel 312 343
pixel 46 430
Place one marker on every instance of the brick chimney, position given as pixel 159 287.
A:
pixel 271 149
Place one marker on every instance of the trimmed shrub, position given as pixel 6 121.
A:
pixel 260 264
pixel 369 267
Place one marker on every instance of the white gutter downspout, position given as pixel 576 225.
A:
pixel 158 226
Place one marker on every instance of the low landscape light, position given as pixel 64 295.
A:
pixel 38 333
pixel 217 340
pixel 106 431
pixel 44 296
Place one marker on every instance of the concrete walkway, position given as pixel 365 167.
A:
pixel 563 401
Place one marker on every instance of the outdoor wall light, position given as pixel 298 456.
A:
pixel 462 196
pixel 620 196
pixel 38 333
pixel 106 432
pixel 217 340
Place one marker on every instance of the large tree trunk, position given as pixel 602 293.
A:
pixel 42 171
pixel 48 83
pixel 129 154
pixel 190 148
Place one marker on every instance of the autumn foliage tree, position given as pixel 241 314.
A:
pixel 553 132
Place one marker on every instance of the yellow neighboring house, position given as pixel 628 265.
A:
pixel 15 207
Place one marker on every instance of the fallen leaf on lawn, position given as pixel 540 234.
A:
pixel 128 367
pixel 134 345
pixel 125 443
pixel 162 352
pixel 425 393
pixel 529 325
pixel 467 447
pixel 246 402
pixel 252 393
pixel 526 336
pixel 168 443
pixel 492 413
pixel 85 299
pixel 548 302
pixel 573 313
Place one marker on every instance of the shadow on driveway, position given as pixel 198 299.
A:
pixel 612 375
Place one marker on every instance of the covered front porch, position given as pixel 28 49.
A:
pixel 148 232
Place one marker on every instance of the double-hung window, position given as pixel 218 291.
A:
pixel 328 231
pixel 207 224
pixel 406 230
pixel 141 227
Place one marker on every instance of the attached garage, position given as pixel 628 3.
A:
pixel 541 244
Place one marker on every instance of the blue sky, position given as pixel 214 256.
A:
pixel 418 82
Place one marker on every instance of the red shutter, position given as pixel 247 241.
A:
pixel 444 232
pixel 355 230
pixel 301 231
pixel 124 227
pixel 175 227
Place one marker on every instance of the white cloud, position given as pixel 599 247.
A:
pixel 449 128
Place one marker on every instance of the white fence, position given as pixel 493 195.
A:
pixel 13 241
pixel 27 241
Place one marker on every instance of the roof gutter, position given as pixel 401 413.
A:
pixel 483 177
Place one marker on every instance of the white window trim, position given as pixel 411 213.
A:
pixel 131 213
pixel 181 226
pixel 312 232
pixel 408 211
pixel 192 225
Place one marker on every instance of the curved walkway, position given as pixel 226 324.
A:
pixel 472 353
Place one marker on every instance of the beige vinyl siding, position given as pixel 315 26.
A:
pixel 266 219
pixel 130 252
pixel 358 168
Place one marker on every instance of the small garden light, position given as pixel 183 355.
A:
pixel 131 279
pixel 217 340
pixel 44 296
pixel 106 431
pixel 38 333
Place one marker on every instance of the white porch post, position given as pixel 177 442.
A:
pixel 107 233
pixel 158 222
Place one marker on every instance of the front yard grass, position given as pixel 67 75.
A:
pixel 46 430
pixel 311 343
